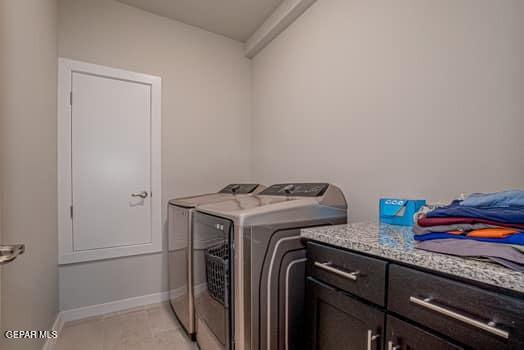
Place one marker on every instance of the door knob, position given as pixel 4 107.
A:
pixel 142 194
pixel 9 253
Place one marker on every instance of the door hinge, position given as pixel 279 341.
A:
pixel 71 98
pixel 71 211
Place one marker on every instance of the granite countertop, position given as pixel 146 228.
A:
pixel 396 243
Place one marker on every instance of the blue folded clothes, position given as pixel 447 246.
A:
pixel 504 199
pixel 517 238
pixel 508 215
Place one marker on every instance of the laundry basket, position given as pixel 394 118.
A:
pixel 217 272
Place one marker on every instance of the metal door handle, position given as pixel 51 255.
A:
pixel 327 266
pixel 393 347
pixel 371 338
pixel 142 194
pixel 9 253
pixel 488 327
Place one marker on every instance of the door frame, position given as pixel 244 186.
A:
pixel 67 255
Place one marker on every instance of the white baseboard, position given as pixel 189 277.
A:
pixel 113 306
pixel 57 327
pixel 106 308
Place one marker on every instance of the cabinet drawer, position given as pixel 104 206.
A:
pixel 404 336
pixel 354 273
pixel 474 317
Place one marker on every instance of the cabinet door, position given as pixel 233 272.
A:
pixel 404 336
pixel 337 320
pixel 476 317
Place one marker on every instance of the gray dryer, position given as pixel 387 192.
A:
pixel 253 264
pixel 180 260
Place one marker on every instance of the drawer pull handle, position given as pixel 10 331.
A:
pixel 327 266
pixel 371 338
pixel 393 347
pixel 488 327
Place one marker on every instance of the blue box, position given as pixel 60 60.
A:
pixel 399 211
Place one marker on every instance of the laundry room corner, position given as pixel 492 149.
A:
pixel 205 97
pixel 261 174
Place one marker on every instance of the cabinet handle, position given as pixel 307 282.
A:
pixel 327 266
pixel 371 338
pixel 393 347
pixel 488 327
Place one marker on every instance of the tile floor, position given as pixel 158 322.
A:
pixel 152 327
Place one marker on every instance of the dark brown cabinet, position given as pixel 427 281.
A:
pixel 479 318
pixel 359 275
pixel 354 301
pixel 404 336
pixel 339 321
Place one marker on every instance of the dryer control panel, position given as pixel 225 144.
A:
pixel 239 188
pixel 296 189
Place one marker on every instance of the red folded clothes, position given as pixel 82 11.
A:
pixel 425 222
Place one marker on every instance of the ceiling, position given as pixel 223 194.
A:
pixel 236 19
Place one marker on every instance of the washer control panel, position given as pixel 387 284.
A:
pixel 239 188
pixel 296 189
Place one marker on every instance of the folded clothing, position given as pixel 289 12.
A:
pixel 505 215
pixel 425 221
pixel 471 248
pixel 498 232
pixel 518 247
pixel 508 263
pixel 517 238
pixel 419 230
pixel 504 199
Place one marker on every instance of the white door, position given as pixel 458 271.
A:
pixel 108 163
pixel 111 148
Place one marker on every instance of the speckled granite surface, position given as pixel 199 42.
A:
pixel 397 243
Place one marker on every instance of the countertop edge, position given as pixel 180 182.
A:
pixel 494 276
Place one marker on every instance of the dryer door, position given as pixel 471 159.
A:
pixel 212 282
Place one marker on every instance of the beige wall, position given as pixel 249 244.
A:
pixel 205 98
pixel 401 98
pixel 28 202
pixel 407 98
